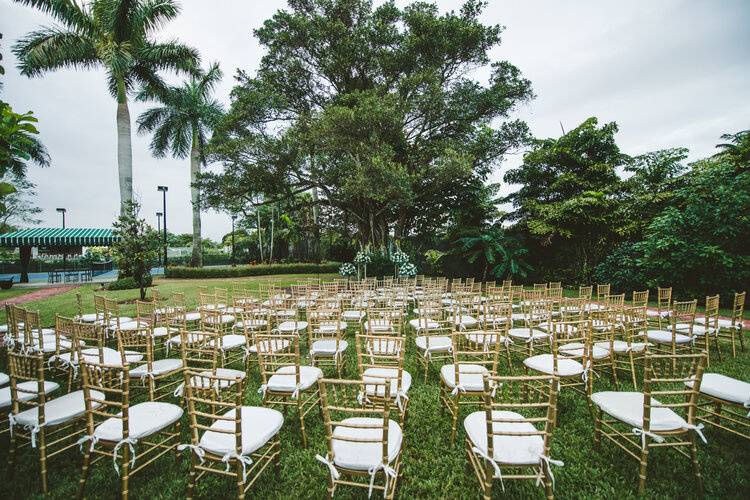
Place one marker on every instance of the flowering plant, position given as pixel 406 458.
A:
pixel 347 269
pixel 362 257
pixel 407 270
pixel 398 258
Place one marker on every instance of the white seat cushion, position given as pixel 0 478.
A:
pixel 352 315
pixel 231 341
pixel 283 379
pixel 382 346
pixel 665 337
pixel 515 450
pixel 291 326
pixel 144 419
pixel 423 324
pixel 575 350
pixel 158 367
pixel 251 324
pixel 133 325
pixel 364 456
pixel 273 345
pixel 378 325
pixel 59 410
pixel 697 329
pixel 330 326
pixel 4 378
pixel 191 338
pixel 436 344
pixel 727 323
pixel 526 333
pixel 163 331
pixel 620 346
pixel 492 319
pixel 222 319
pixel 30 385
pixel 233 310
pixel 259 425
pixel 485 338
pixel 726 388
pixel 87 318
pixel 544 363
pixel 327 347
pixel 380 374
pixel 627 407
pixel 464 320
pixel 229 376
pixel 470 376
pixel 111 356
pixel 192 316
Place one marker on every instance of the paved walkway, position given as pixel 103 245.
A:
pixel 41 293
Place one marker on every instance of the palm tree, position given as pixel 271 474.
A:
pixel 181 125
pixel 115 35
pixel 494 248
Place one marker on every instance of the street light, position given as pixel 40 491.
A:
pixel 164 190
pixel 158 227
pixel 65 255
pixel 234 263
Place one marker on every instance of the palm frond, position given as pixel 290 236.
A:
pixel 68 13
pixel 47 49
pixel 151 14
pixel 150 119
pixel 208 81
pixel 169 56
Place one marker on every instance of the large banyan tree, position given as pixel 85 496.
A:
pixel 386 116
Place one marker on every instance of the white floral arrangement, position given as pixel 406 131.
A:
pixel 399 258
pixel 407 270
pixel 362 257
pixel 347 269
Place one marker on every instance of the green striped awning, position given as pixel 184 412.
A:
pixel 45 236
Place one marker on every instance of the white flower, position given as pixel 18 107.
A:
pixel 362 257
pixel 407 270
pixel 398 258
pixel 347 269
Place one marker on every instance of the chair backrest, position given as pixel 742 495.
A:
pixel 212 320
pixel 674 381
pixel 64 327
pixel 343 401
pixel 114 383
pixel 100 308
pixel 572 339
pixel 325 324
pixel 511 403
pixel 585 292
pixel 711 314
pixel 27 367
pixel 683 316
pixel 15 316
pixel 507 283
pixel 145 312
pixel 540 286
pixel 573 308
pixel 139 339
pixel 663 298
pixel 615 302
pixel 738 308
pixel 277 351
pixel 222 296
pixel 640 298
pixel 32 331
pixel 475 348
pixel 381 352
pixel 553 285
pixel 219 412
pixel 602 291
pixel 79 303
pixel 112 313
pixel 199 350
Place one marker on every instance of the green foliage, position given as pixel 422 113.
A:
pixel 137 247
pixel 128 283
pixel 494 250
pixel 259 270
pixel 374 108
pixel 18 143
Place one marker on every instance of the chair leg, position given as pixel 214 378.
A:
pixel 454 417
pixel 192 476
pixel 301 421
pixel 43 459
pixel 548 485
pixel 84 472
pixel 597 428
pixel 12 456
pixel 643 468
pixel 696 465
pixel 632 371
pixel 125 472
pixel 487 486
pixel 240 480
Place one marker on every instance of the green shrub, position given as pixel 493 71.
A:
pixel 128 283
pixel 259 270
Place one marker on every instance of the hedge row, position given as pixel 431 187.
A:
pixel 257 270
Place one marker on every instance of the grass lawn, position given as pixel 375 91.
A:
pixel 432 467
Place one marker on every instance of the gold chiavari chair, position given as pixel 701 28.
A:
pixel 380 359
pixel 554 285
pixel 254 319
pixel 325 336
pixel 532 336
pixel 159 377
pixel 227 438
pixel 461 381
pixel 663 305
pixel 640 298
pixel 232 347
pixel 662 416
pixel 731 330
pixel 116 429
pixel 200 353
pixel 286 317
pixel 434 343
pixel 628 346
pixel 100 310
pixel 707 329
pixel 602 291
pixel 64 328
pixel 364 443
pixel 285 382
pixel 47 341
pixel 585 292
pixel 83 316
pixel 679 335
pixel 723 403
pixel 569 358
pixel 510 438
pixel 114 320
pixel 494 324
pixel 540 286
pixel 49 425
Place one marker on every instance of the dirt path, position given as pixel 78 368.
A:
pixel 41 293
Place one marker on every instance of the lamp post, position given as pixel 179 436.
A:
pixel 65 255
pixel 234 263
pixel 158 227
pixel 164 190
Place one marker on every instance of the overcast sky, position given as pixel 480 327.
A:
pixel 670 73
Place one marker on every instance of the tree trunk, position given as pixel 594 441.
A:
pixel 270 247
pixel 260 236
pixel 124 148
pixel 195 169
pixel 316 227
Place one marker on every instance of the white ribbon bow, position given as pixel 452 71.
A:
pixel 130 442
pixel 643 434
pixel 400 398
pixel 33 429
pixel 545 461
pixel 493 463
pixel 243 459
pixel 457 389
pixel 93 439
pixel 388 471
pixel 331 468
pixel 262 390
pixel 698 430
pixel 747 405
pixel 179 391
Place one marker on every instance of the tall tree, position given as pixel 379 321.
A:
pixel 116 35
pixel 181 126
pixel 569 192
pixel 372 107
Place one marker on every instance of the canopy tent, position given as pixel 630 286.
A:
pixel 70 237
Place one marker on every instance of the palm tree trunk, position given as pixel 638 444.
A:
pixel 270 246
pixel 124 148
pixel 260 236
pixel 195 169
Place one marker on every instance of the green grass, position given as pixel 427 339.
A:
pixel 432 467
